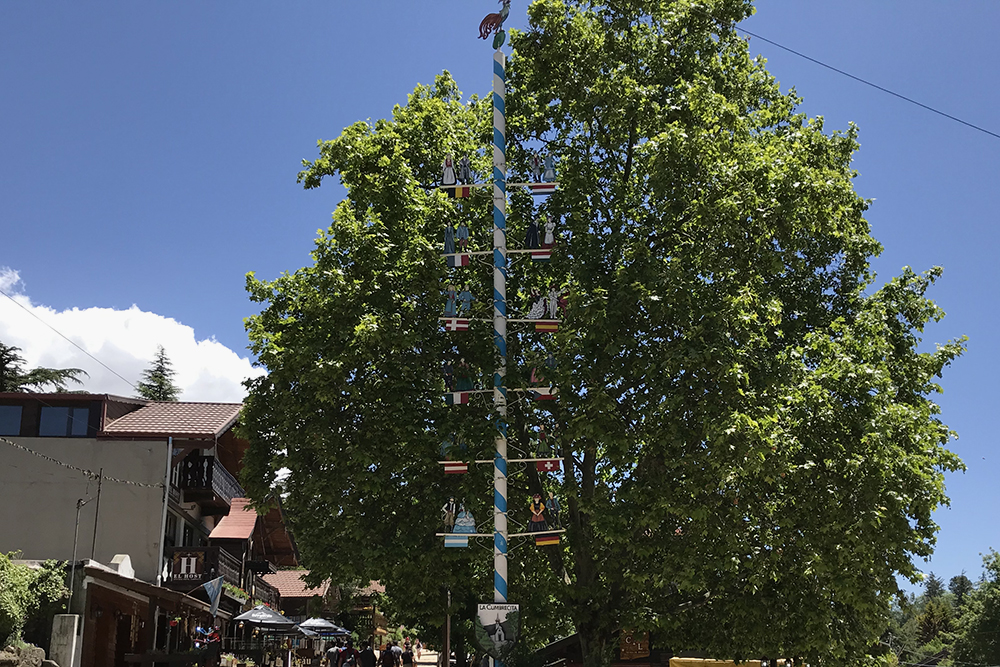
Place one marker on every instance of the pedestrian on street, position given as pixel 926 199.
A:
pixel 407 656
pixel 388 658
pixel 397 653
pixel 367 656
pixel 348 656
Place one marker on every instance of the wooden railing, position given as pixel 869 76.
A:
pixel 205 473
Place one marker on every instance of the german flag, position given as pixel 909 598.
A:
pixel 458 191
pixel 546 540
pixel 547 326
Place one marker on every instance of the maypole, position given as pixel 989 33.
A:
pixel 500 326
pixel 497 621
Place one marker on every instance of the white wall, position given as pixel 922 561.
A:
pixel 38 500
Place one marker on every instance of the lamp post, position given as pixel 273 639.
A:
pixel 72 566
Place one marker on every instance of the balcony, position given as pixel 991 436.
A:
pixel 206 481
pixel 191 567
pixel 265 592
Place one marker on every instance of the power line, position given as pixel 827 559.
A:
pixel 88 473
pixel 873 85
pixel 22 307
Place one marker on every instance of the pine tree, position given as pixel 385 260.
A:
pixel 13 377
pixel 157 380
pixel 933 586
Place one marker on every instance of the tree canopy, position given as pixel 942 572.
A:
pixel 157 380
pixel 744 415
pixel 15 378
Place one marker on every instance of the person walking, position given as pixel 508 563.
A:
pixel 397 653
pixel 348 656
pixel 367 656
pixel 419 648
pixel 387 658
pixel 406 657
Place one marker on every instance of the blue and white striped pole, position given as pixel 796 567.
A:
pixel 500 327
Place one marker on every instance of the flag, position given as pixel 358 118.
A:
pixel 457 541
pixel 458 260
pixel 541 255
pixel 548 465
pixel 544 540
pixel 542 188
pixel 458 191
pixel 456 398
pixel 455 467
pixel 547 326
pixel 544 393
pixel 214 590
pixel 456 324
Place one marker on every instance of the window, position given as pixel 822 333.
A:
pixel 64 422
pixel 10 419
pixel 188 540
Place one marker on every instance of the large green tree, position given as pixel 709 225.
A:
pixel 15 377
pixel 750 448
pixel 157 383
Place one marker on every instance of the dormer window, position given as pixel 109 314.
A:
pixel 10 420
pixel 59 422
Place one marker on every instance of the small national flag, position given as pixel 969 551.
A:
pixel 455 467
pixel 458 260
pixel 459 191
pixel 456 324
pixel 542 188
pixel 457 541
pixel 544 393
pixel 548 465
pixel 541 255
pixel 214 590
pixel 544 540
pixel 547 326
pixel 456 398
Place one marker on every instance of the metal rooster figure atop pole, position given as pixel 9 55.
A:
pixel 493 25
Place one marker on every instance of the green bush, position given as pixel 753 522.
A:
pixel 29 597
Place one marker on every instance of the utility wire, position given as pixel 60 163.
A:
pixel 869 83
pixel 88 473
pixel 22 307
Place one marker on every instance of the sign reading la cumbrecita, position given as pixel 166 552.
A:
pixel 497 628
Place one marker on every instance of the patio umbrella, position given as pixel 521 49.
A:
pixel 323 627
pixel 306 631
pixel 265 618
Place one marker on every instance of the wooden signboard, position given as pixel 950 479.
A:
pixel 634 645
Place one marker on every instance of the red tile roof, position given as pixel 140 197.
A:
pixel 178 420
pixel 290 585
pixel 238 524
pixel 372 588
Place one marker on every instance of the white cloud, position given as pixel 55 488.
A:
pixel 124 340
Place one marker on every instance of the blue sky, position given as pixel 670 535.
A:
pixel 148 154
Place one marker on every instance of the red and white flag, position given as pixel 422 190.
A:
pixel 548 465
pixel 455 467
pixel 456 324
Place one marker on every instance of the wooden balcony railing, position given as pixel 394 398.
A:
pixel 202 475
pixel 265 592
